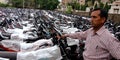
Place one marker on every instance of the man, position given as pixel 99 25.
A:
pixel 100 43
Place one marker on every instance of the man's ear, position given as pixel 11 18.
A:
pixel 103 19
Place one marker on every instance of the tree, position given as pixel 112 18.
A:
pixel 77 6
pixel 29 3
pixel 93 1
pixel 74 4
pixel 101 5
pixel 40 4
pixel 3 5
pixel 107 7
pixel 47 4
pixel 83 7
pixel 17 3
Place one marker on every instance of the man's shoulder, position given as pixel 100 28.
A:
pixel 110 35
pixel 90 29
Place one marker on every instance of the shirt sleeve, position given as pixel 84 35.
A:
pixel 78 35
pixel 114 47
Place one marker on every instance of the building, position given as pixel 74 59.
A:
pixel 115 7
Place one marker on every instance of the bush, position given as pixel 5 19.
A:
pixel 4 5
pixel 83 7
pixel 69 10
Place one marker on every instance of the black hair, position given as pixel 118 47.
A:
pixel 103 13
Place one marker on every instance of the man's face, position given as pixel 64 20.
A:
pixel 96 20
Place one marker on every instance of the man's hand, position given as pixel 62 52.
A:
pixel 61 37
pixel 58 36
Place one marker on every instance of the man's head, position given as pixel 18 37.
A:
pixel 98 17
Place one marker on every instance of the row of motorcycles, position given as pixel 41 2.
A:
pixel 31 25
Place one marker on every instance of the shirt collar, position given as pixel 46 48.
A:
pixel 100 31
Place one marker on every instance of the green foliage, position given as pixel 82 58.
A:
pixel 107 7
pixel 40 4
pixel 93 1
pixel 23 3
pixel 101 5
pixel 29 3
pixel 99 1
pixel 83 7
pixel 3 5
pixel 77 6
pixel 74 4
pixel 17 3
pixel 69 10
pixel 47 4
